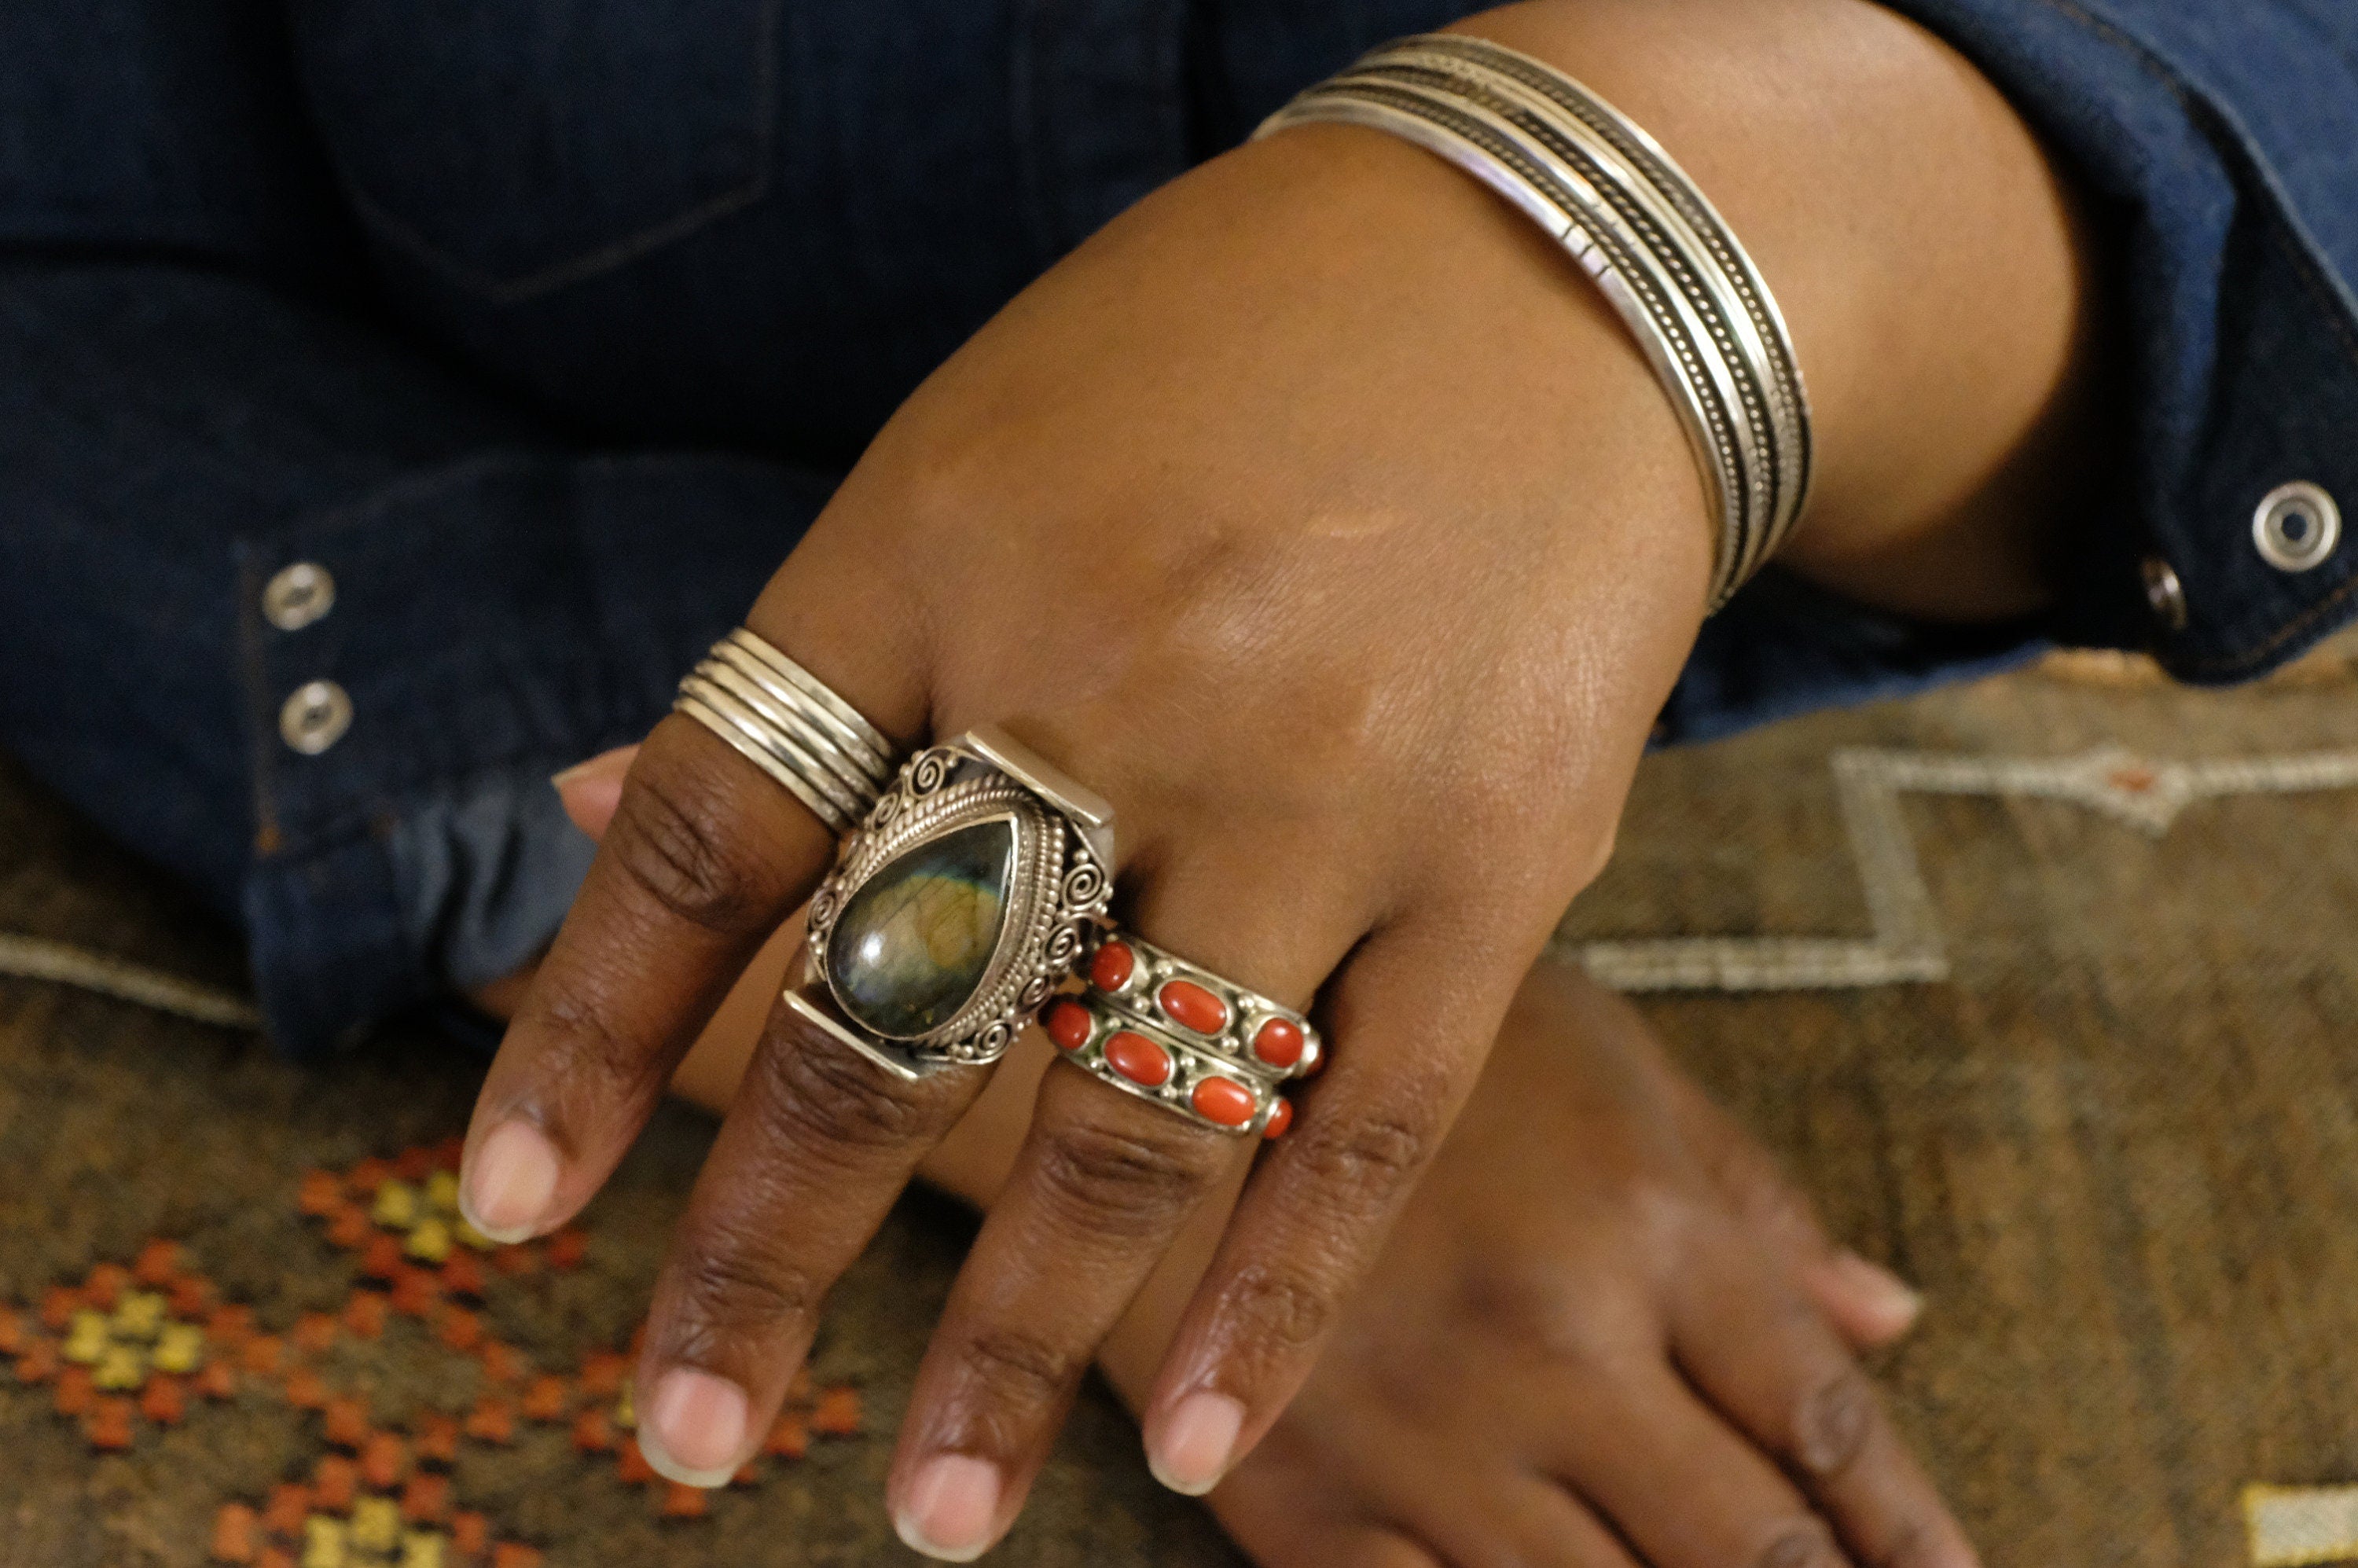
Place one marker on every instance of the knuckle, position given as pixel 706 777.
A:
pixel 817 1093
pixel 1015 1368
pixel 1914 1543
pixel 1833 1422
pixel 1125 1182
pixel 1373 1158
pixel 585 1045
pixel 1798 1543
pixel 730 1288
pixel 675 849
pixel 1276 1310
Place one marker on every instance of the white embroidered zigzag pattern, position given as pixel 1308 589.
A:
pixel 1907 944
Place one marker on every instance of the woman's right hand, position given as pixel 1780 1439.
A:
pixel 1322 518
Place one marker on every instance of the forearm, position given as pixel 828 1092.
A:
pixel 1924 252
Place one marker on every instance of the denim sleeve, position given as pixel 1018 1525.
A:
pixel 172 438
pixel 2216 143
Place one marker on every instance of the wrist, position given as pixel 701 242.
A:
pixel 1848 149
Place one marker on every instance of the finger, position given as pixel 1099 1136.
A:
pixel 1515 1518
pixel 1409 1019
pixel 591 790
pixel 1773 1367
pixel 702 859
pixel 1102 1188
pixel 1867 1304
pixel 1870 1305
pixel 817 1146
pixel 1676 1482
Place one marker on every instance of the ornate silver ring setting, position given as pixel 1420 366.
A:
pixel 971 892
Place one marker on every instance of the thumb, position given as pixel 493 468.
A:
pixel 591 790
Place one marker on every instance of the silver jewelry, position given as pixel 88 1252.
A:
pixel 1212 1014
pixel 957 908
pixel 1170 1067
pixel 1638 225
pixel 783 719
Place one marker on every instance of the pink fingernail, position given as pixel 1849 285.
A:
pixel 610 764
pixel 1882 1290
pixel 1191 1451
pixel 951 1508
pixel 509 1182
pixel 590 792
pixel 694 1428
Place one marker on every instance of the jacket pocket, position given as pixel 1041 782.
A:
pixel 514 146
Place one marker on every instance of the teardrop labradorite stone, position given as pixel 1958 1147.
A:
pixel 912 945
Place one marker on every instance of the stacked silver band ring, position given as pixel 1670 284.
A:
pixel 1154 1025
pixel 784 721
pixel 1640 227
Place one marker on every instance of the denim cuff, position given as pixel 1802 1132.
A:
pixel 492 622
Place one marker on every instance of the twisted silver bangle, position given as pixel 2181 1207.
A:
pixel 1638 225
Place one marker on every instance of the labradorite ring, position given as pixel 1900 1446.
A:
pixel 971 892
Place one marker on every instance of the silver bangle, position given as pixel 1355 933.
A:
pixel 783 719
pixel 1638 226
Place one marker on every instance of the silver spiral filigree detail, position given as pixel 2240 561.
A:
pixel 1065 944
pixel 928 772
pixel 1084 885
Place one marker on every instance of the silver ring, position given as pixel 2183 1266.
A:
pixel 968 897
pixel 1212 1014
pixel 1173 1069
pixel 783 719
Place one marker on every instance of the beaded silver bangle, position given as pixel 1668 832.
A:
pixel 1638 225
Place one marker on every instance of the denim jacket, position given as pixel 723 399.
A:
pixel 543 328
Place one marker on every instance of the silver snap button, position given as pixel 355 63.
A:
pixel 2164 593
pixel 314 717
pixel 2296 527
pixel 298 595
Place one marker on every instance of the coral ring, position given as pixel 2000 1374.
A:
pixel 1212 1014
pixel 1159 1064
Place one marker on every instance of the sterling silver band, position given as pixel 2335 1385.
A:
pixel 784 721
pixel 1640 227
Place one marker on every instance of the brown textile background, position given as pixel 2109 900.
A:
pixel 2116 1146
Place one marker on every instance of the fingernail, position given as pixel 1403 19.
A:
pixel 1886 1292
pixel 509 1182
pixel 1190 1453
pixel 605 764
pixel 950 1509
pixel 692 1430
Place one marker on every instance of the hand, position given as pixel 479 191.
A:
pixel 1600 1279
pixel 1320 517
pixel 1605 1332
